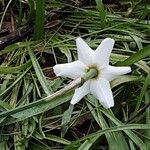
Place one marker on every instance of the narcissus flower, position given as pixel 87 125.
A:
pixel 98 59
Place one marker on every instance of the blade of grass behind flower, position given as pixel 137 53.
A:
pixel 31 12
pixel 25 94
pixel 127 127
pixel 39 19
pixel 16 46
pixel 147 98
pixel 18 142
pixel 124 79
pixel 3 144
pixel 88 143
pixel 4 13
pixel 131 134
pixel 65 120
pixel 145 52
pixel 102 12
pixel 20 13
pixel 34 108
pixel 36 146
pixel 16 81
pixel 9 70
pixel 132 147
pixel 115 140
pixel 57 139
pixel 39 72
pixel 142 93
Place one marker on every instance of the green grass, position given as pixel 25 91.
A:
pixel 31 119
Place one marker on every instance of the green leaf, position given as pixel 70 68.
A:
pixel 39 72
pixel 130 133
pixel 124 79
pixel 65 120
pixel 37 146
pixel 145 52
pixel 10 70
pixel 39 19
pixel 125 128
pixel 3 145
pixel 55 84
pixel 66 51
pixel 31 12
pixel 16 81
pixel 57 139
pixel 88 143
pixel 132 147
pixel 147 98
pixel 34 108
pixel 16 46
pixel 142 93
pixel 102 12
pixel 115 140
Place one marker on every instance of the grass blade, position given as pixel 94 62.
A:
pixel 39 72
pixel 145 52
pixel 102 12
pixel 39 19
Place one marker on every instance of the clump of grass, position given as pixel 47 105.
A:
pixel 30 120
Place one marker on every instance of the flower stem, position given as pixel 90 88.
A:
pixel 90 74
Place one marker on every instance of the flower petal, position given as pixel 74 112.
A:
pixel 80 92
pixel 111 72
pixel 103 52
pixel 85 53
pixel 72 70
pixel 101 89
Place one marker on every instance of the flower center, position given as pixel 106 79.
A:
pixel 93 69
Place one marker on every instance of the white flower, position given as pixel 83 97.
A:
pixel 99 59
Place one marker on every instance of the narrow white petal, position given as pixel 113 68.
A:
pixel 101 89
pixel 85 53
pixel 103 52
pixel 80 92
pixel 72 70
pixel 111 72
